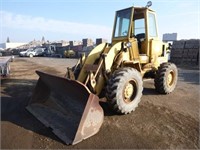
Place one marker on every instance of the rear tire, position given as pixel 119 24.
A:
pixel 124 90
pixel 166 78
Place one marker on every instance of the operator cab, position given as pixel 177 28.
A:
pixel 135 23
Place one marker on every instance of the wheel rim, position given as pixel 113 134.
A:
pixel 170 78
pixel 129 91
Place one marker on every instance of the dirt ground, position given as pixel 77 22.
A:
pixel 161 121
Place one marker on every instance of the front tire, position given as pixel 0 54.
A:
pixel 166 78
pixel 124 90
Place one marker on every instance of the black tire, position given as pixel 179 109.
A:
pixel 117 94
pixel 166 78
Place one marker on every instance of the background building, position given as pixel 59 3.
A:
pixel 10 45
pixel 167 37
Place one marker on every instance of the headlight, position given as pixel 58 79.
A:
pixel 128 44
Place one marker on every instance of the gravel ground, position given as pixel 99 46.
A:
pixel 161 121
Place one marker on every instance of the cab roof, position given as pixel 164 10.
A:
pixel 138 8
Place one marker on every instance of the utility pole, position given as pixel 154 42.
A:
pixel 8 40
pixel 43 39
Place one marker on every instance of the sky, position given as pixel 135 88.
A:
pixel 26 20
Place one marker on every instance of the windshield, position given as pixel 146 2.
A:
pixel 29 50
pixel 122 23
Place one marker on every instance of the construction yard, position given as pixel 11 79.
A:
pixel 161 121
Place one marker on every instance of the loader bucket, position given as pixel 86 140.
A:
pixel 67 106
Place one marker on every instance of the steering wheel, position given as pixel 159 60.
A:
pixel 124 33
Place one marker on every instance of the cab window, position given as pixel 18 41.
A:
pixel 139 26
pixel 139 30
pixel 152 25
pixel 122 23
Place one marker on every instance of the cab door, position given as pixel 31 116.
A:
pixel 141 33
pixel 155 45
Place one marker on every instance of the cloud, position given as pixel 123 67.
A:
pixel 191 13
pixel 18 21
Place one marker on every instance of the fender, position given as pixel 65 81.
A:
pixel 114 50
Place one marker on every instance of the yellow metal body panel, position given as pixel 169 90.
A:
pixel 111 55
pixel 134 51
pixel 158 53
pixel 156 47
pixel 161 60
pixel 155 51
pixel 144 59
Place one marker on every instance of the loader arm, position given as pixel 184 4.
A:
pixel 91 58
pixel 92 70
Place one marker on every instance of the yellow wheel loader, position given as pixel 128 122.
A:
pixel 111 72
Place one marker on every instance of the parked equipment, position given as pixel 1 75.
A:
pixel 53 51
pixel 69 53
pixel 70 106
